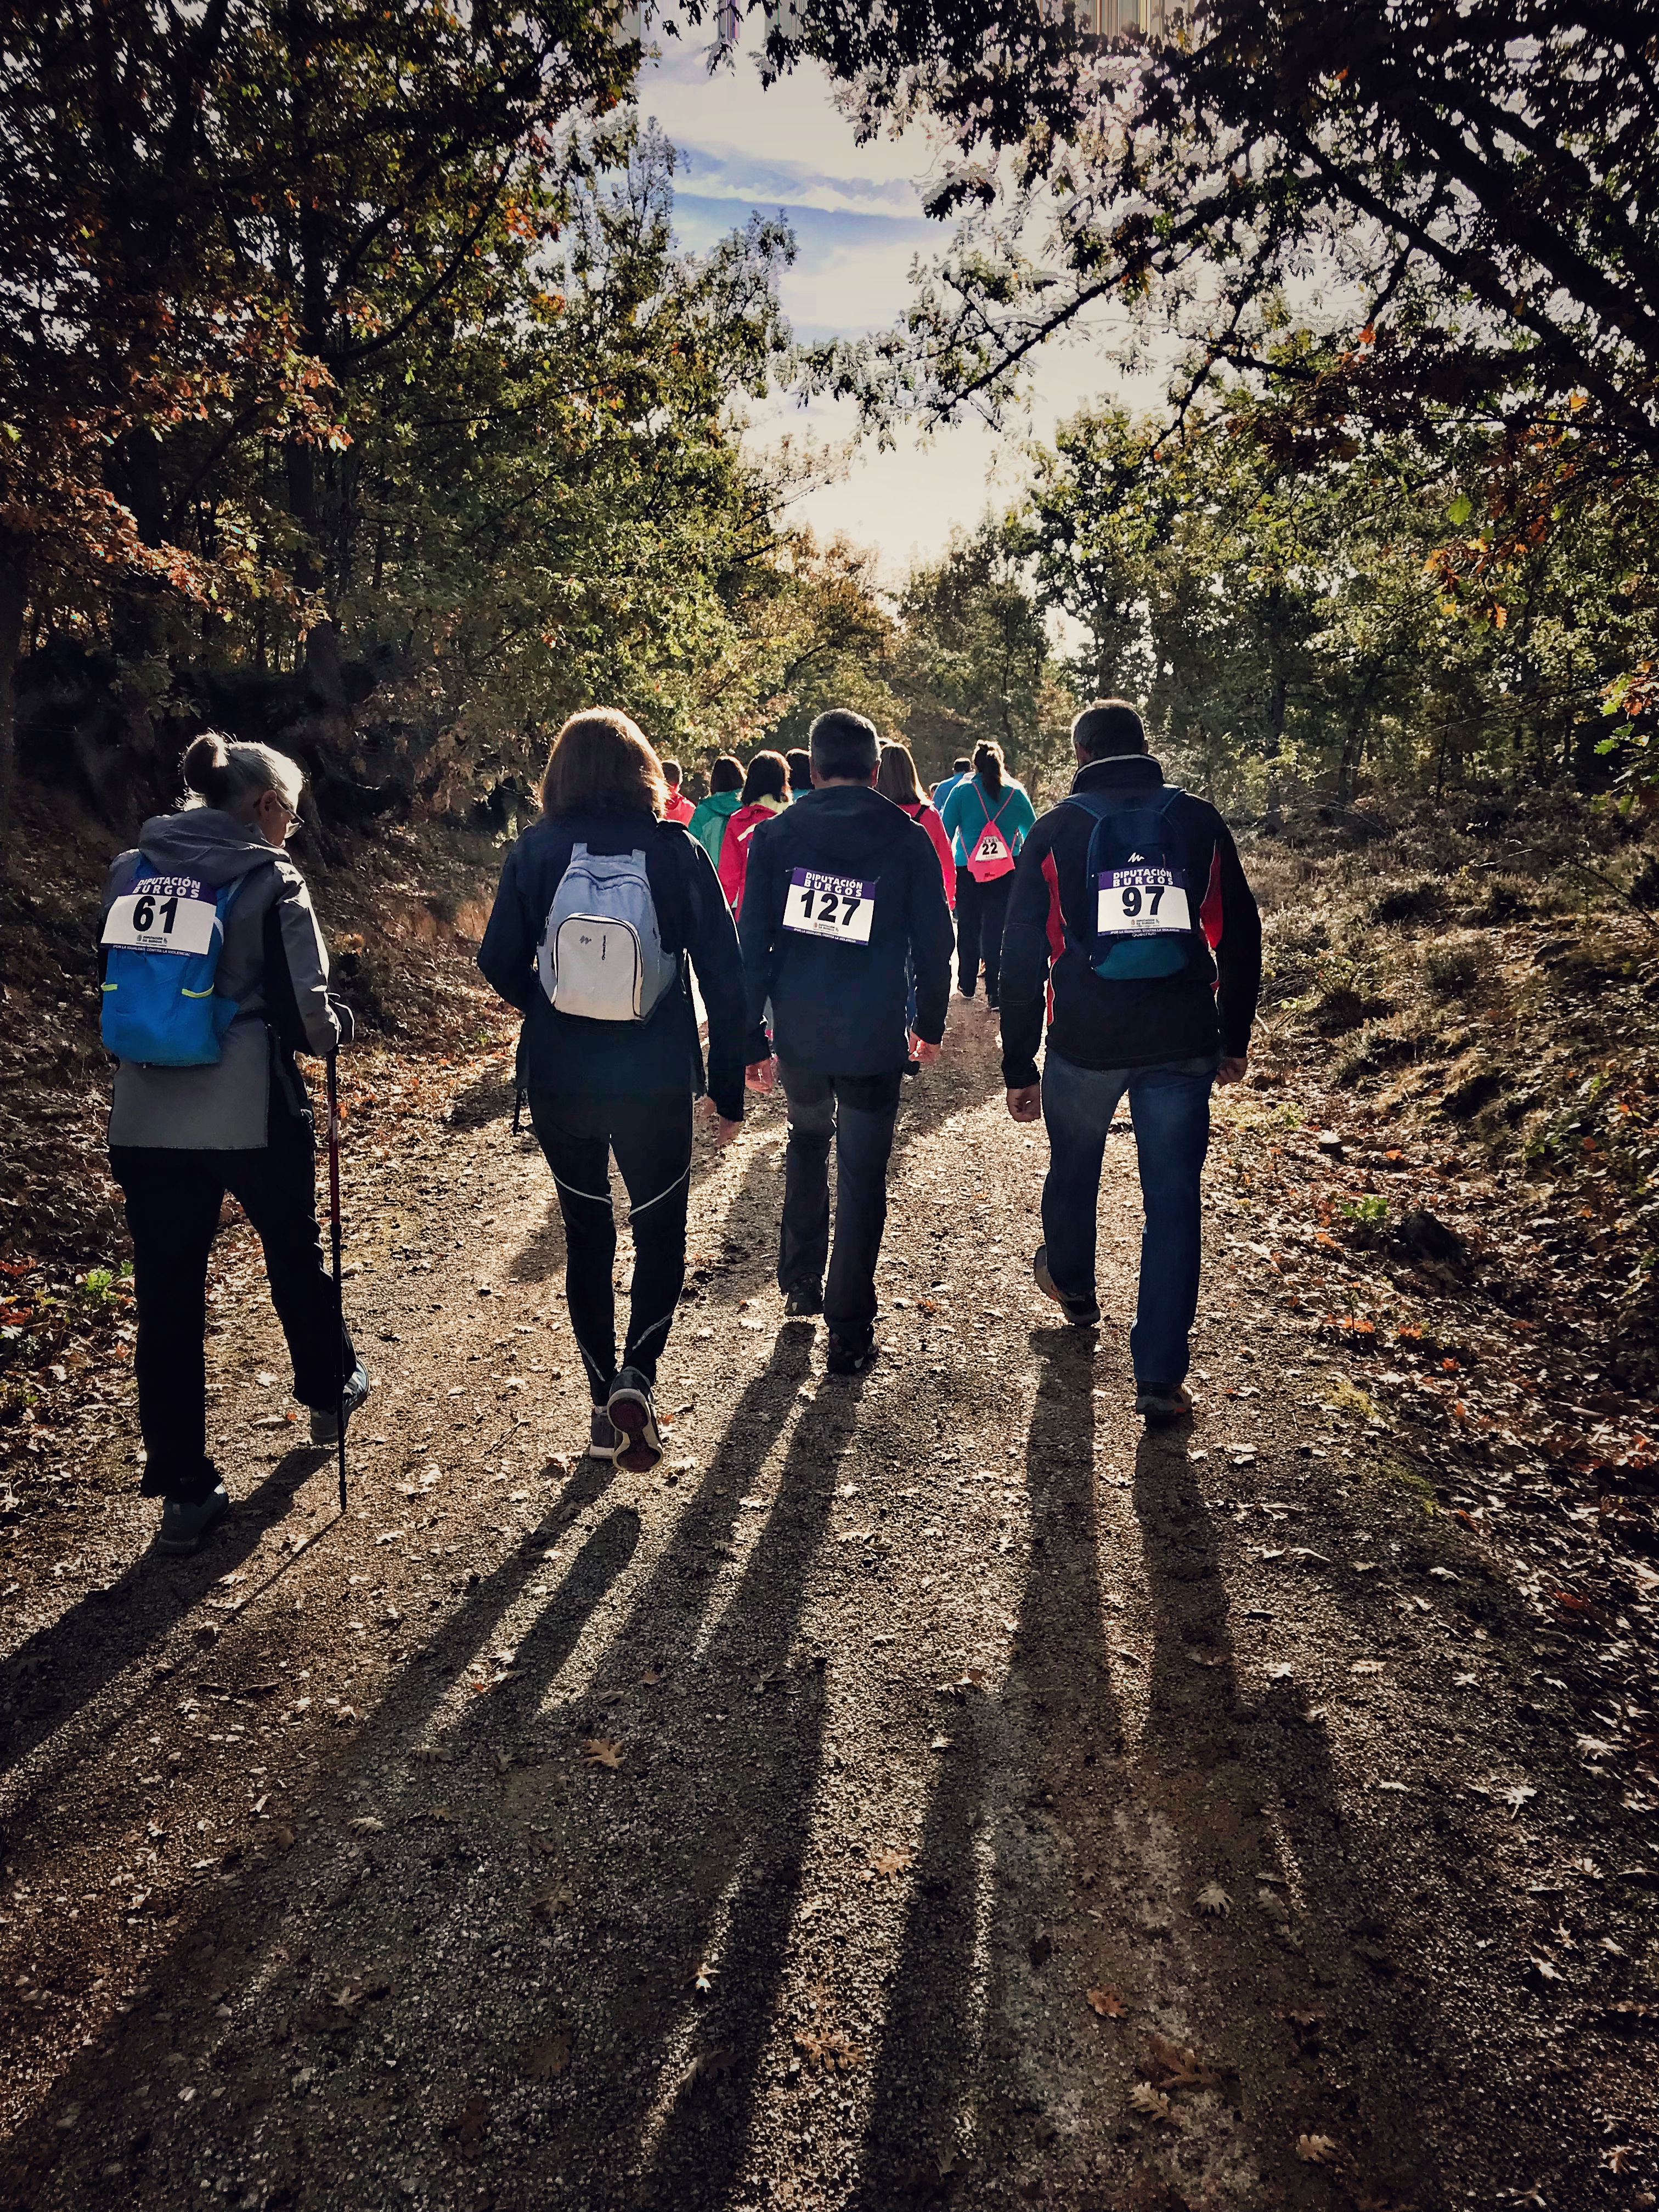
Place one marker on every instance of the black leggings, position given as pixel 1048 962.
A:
pixel 172 1201
pixel 982 909
pixel 650 1133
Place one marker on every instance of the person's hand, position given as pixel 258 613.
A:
pixel 726 1131
pixel 1232 1071
pixel 1025 1104
pixel 924 1053
pixel 760 1075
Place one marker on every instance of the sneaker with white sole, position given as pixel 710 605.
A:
pixel 186 1522
pixel 1158 1405
pixel 634 1415
pixel 603 1436
pixel 325 1420
pixel 847 1356
pixel 1082 1313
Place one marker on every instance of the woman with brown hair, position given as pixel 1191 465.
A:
pixel 765 793
pixel 896 779
pixel 600 903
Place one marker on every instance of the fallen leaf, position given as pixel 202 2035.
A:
pixel 1516 1798
pixel 469 2127
pixel 832 2050
pixel 1180 2065
pixel 541 2059
pixel 603 1750
pixel 1213 1900
pixel 891 1860
pixel 1316 2150
pixel 712 2066
pixel 1154 2104
pixel 1107 2002
pixel 366 1824
pixel 703 1979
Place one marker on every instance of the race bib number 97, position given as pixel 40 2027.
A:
pixel 1142 902
pixel 830 906
pixel 164 913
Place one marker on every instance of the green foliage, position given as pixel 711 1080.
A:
pixel 974 659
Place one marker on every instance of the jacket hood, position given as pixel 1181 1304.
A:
pixel 201 841
pixel 1118 768
pixel 828 814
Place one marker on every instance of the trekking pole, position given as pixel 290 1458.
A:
pixel 334 1232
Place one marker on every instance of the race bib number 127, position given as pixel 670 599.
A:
pixel 1142 902
pixel 163 913
pixel 839 907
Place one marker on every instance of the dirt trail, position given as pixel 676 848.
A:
pixel 1006 1808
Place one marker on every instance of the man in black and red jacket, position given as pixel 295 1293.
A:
pixel 1164 1039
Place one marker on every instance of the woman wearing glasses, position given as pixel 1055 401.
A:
pixel 180 1136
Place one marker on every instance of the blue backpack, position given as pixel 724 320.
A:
pixel 1138 873
pixel 164 936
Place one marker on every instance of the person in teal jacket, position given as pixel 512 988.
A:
pixel 708 824
pixel 985 818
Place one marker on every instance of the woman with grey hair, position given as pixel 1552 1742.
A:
pixel 214 974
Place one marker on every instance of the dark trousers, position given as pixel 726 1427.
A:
pixel 859 1112
pixel 173 1202
pixel 982 909
pixel 650 1133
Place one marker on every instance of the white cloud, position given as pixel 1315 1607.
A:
pixel 856 213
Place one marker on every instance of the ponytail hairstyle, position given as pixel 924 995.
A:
pixel 988 767
pixel 768 778
pixel 223 772
pixel 895 775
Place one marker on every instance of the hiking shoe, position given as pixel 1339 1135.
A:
pixel 186 1522
pixel 634 1416
pixel 805 1298
pixel 849 1357
pixel 1157 1404
pixel 603 1435
pixel 325 1420
pixel 1082 1313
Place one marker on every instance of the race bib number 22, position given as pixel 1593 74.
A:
pixel 1142 902
pixel 838 907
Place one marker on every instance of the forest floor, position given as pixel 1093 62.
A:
pixel 923 1790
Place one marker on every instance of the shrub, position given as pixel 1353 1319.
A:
pixel 1452 970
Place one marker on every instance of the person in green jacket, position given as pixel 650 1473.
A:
pixel 708 824
pixel 985 818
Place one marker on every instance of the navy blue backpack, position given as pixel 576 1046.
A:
pixel 1145 904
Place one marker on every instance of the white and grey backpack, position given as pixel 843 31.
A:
pixel 601 954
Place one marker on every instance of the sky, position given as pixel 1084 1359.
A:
pixel 856 214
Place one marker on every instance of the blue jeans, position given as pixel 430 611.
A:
pixel 1170 1106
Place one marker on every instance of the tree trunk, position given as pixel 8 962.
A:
pixel 13 595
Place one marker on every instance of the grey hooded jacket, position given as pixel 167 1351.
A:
pixel 271 928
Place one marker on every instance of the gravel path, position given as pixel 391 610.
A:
pixel 923 1790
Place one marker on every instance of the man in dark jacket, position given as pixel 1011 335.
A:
pixel 843 889
pixel 1151 960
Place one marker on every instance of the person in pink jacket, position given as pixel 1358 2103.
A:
pixel 896 779
pixel 765 793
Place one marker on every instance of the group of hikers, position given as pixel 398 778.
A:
pixel 810 895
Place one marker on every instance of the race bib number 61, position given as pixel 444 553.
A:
pixel 163 913
pixel 1142 902
pixel 838 907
